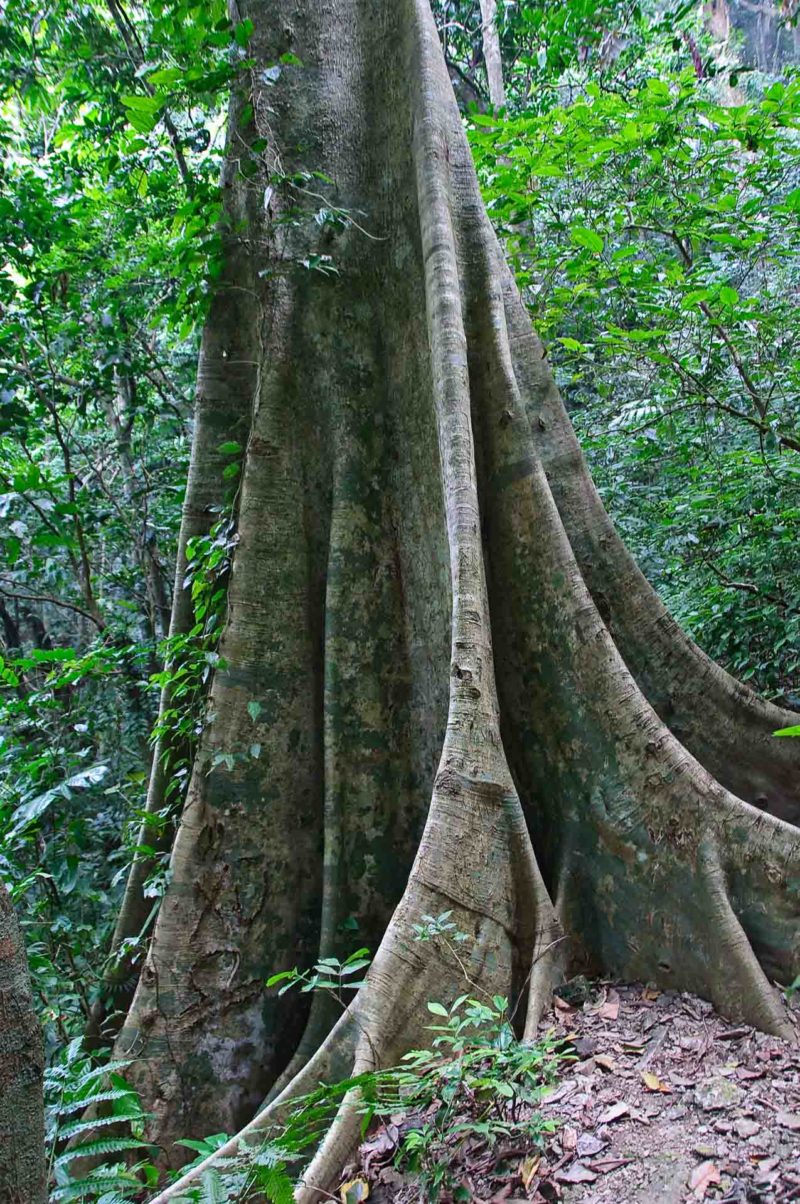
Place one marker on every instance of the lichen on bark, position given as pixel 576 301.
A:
pixel 464 687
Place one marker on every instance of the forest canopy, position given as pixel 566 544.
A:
pixel 295 537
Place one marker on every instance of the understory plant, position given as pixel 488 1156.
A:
pixel 474 1086
pixel 93 1118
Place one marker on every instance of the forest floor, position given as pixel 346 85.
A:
pixel 665 1103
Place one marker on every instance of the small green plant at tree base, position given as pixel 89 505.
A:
pixel 92 1113
pixel 475 1082
pixel 328 974
pixel 792 989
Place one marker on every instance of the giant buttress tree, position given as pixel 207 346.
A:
pixel 444 685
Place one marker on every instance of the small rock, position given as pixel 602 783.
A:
pixel 746 1128
pixel 676 1113
pixel 584 1046
pixel 716 1094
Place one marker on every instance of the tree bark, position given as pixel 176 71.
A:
pixel 414 606
pixel 226 382
pixel 23 1172
pixel 491 53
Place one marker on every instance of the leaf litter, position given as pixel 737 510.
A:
pixel 665 1102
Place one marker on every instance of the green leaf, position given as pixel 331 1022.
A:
pixel 728 296
pixel 788 731
pixel 437 1009
pixel 277 1185
pixel 243 32
pixel 142 104
pixel 166 75
pixel 583 237
pixel 230 448
pixel 274 979
pixel 99 1148
pixel 254 709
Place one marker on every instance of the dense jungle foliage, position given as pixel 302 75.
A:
pixel 644 176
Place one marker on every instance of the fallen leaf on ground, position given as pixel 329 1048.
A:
pixel 615 1112
pixel 609 1010
pixel 789 1120
pixel 577 1173
pixel 605 1165
pixel 527 1169
pixel 589 1145
pixel 653 1083
pixel 605 1062
pixel 354 1191
pixel 569 1138
pixel 702 1177
pixel 500 1196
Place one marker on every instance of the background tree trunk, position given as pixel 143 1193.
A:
pixel 23 1172
pixel 491 53
pixel 438 684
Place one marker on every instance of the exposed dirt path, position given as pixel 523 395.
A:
pixel 666 1103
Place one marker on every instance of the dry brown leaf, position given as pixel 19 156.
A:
pixel 702 1177
pixel 615 1112
pixel 650 994
pixel 589 1145
pixel 653 1083
pixel 569 1138
pixel 527 1170
pixel 577 1173
pixel 500 1196
pixel 789 1120
pixel 609 1009
pixel 605 1165
pixel 605 1062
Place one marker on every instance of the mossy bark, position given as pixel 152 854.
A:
pixel 23 1172
pixel 418 604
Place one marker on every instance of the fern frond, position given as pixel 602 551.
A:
pixel 104 1145
pixel 101 1097
pixel 276 1184
pixel 85 1126
pixel 213 1188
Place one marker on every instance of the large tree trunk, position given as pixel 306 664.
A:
pixel 23 1173
pixel 425 603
